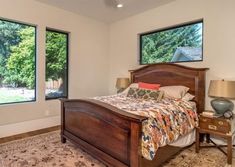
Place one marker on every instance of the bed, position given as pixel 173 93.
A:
pixel 114 136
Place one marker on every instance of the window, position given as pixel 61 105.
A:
pixel 56 64
pixel 17 62
pixel 181 43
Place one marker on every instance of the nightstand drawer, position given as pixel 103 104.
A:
pixel 222 123
pixel 217 125
pixel 205 120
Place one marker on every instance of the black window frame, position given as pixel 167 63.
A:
pixel 140 36
pixel 67 63
pixel 35 62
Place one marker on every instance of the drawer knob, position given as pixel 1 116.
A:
pixel 220 123
pixel 213 127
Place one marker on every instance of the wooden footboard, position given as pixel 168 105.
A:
pixel 107 133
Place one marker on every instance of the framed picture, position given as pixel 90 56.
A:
pixel 181 43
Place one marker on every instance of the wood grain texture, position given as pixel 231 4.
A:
pixel 106 127
pixel 114 136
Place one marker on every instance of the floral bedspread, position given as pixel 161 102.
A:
pixel 167 120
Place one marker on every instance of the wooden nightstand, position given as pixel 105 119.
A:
pixel 221 127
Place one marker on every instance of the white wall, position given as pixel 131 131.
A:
pixel 100 53
pixel 219 36
pixel 87 60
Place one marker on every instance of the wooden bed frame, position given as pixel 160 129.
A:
pixel 113 136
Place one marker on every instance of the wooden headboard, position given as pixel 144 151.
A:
pixel 174 74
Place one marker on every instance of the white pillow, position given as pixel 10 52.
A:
pixel 176 92
pixel 188 97
pixel 133 85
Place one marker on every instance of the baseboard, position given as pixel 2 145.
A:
pixel 27 126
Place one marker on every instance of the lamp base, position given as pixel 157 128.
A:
pixel 221 105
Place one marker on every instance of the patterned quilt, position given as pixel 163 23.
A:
pixel 167 120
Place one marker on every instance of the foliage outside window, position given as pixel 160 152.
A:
pixel 17 62
pixel 176 44
pixel 56 64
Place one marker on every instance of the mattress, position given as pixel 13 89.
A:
pixel 185 140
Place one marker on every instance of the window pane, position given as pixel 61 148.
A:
pixel 181 43
pixel 17 62
pixel 56 64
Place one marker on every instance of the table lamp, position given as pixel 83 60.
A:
pixel 122 84
pixel 223 91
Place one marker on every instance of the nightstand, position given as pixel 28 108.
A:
pixel 221 127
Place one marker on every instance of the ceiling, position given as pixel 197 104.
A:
pixel 105 10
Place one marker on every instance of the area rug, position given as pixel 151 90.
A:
pixel 46 150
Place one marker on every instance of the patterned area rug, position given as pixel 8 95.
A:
pixel 46 150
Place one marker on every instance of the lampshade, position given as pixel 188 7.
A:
pixel 122 83
pixel 222 88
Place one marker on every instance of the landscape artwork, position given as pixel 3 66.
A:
pixel 182 43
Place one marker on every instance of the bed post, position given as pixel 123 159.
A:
pixel 63 139
pixel 135 144
pixel 201 90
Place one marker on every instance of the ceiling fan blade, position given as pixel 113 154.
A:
pixel 111 3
